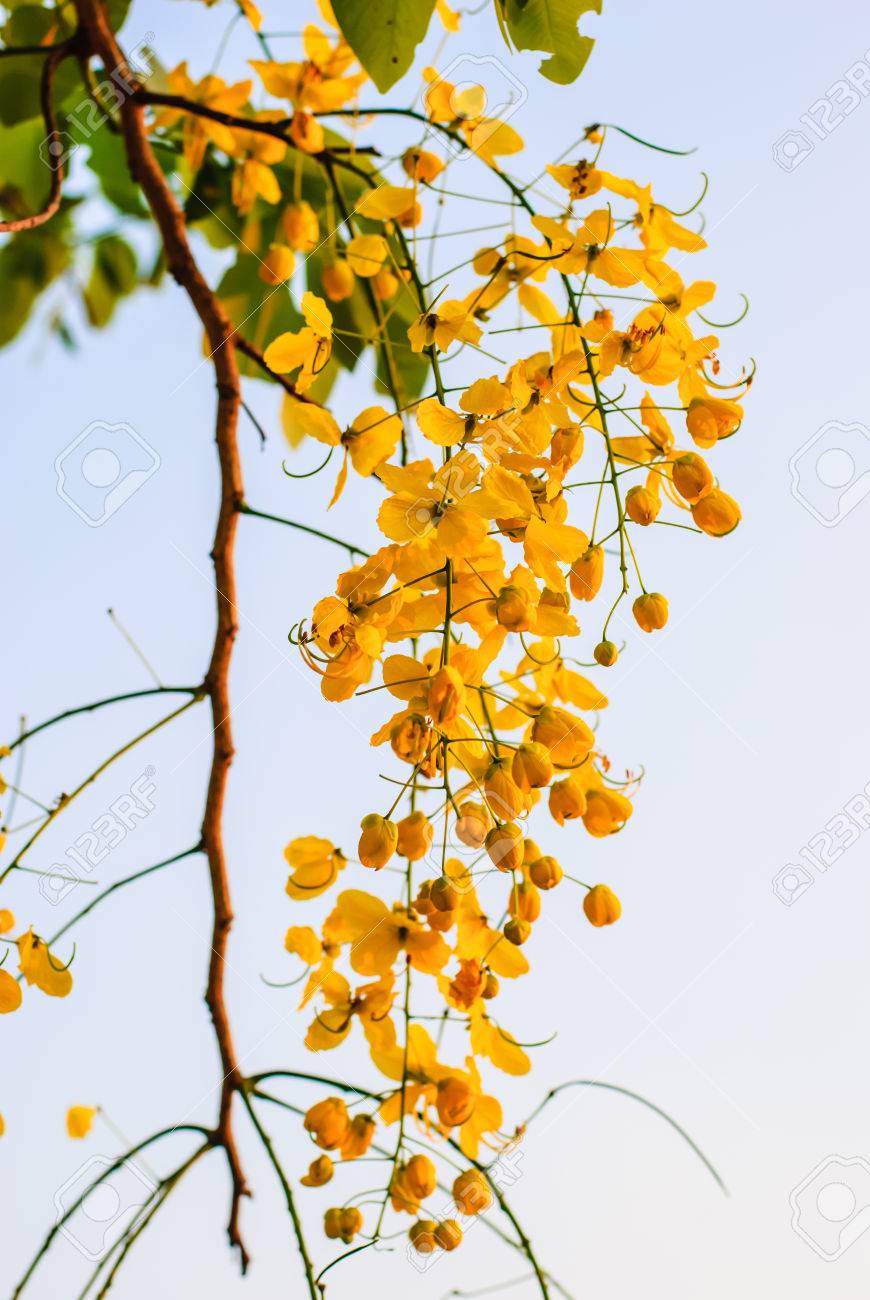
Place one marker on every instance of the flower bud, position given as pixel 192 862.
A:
pixel 532 766
pixel 514 609
pixel 503 795
pixel 517 931
pixel 716 514
pixel 278 264
pixel 650 611
pixel 385 284
pixel 567 738
pixel 300 225
pixel 641 505
pixel 491 986
pixel 692 476
pixel 545 873
pixel 446 698
pixel 455 1100
pixel 338 281
pixel 504 844
pixel 344 1223
pixel 327 1122
pixel 606 654
pixel 419 1177
pixel 607 811
pixel 421 165
pixel 710 418
pixel 319 1172
pixel 378 841
pixel 422 1236
pixel 567 800
pixel 601 906
pixel 525 901
pixel 471 1192
pixel 587 573
pixel 443 894
pixel 472 824
pixel 415 836
pixel 448 1234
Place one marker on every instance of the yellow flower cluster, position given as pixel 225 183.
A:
pixel 483 577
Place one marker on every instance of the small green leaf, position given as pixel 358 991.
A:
pixel 113 276
pixel 551 27
pixel 384 34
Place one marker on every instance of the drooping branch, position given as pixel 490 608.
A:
pixel 53 142
pixel 101 42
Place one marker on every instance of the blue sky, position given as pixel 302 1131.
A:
pixel 738 1014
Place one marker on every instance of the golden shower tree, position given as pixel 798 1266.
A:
pixel 515 494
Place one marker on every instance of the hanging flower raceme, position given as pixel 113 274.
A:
pixel 514 502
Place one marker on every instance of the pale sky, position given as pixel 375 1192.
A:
pixel 739 1015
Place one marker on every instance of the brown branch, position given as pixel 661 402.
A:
pixel 52 142
pixel 278 129
pixel 169 218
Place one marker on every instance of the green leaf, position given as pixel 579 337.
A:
pixel 113 276
pixel 384 34
pixel 551 27
pixel 29 262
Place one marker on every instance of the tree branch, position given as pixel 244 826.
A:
pixel 53 142
pixel 220 334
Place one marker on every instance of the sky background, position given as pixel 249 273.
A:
pixel 741 1016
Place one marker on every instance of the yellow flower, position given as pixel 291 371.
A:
pixel 514 609
pixel 7 920
pixel 79 1120
pixel 545 872
pixel 366 254
pixel 309 348
pixel 317 83
pixel 316 863
pixel 198 132
pixel 446 698
pixel 601 906
pixel 377 936
pixel 442 328
pixel 415 836
pixel 422 1236
pixel 10 993
pixel 581 179
pixel 378 841
pixel 253 177
pixel 320 1171
pixel 39 967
